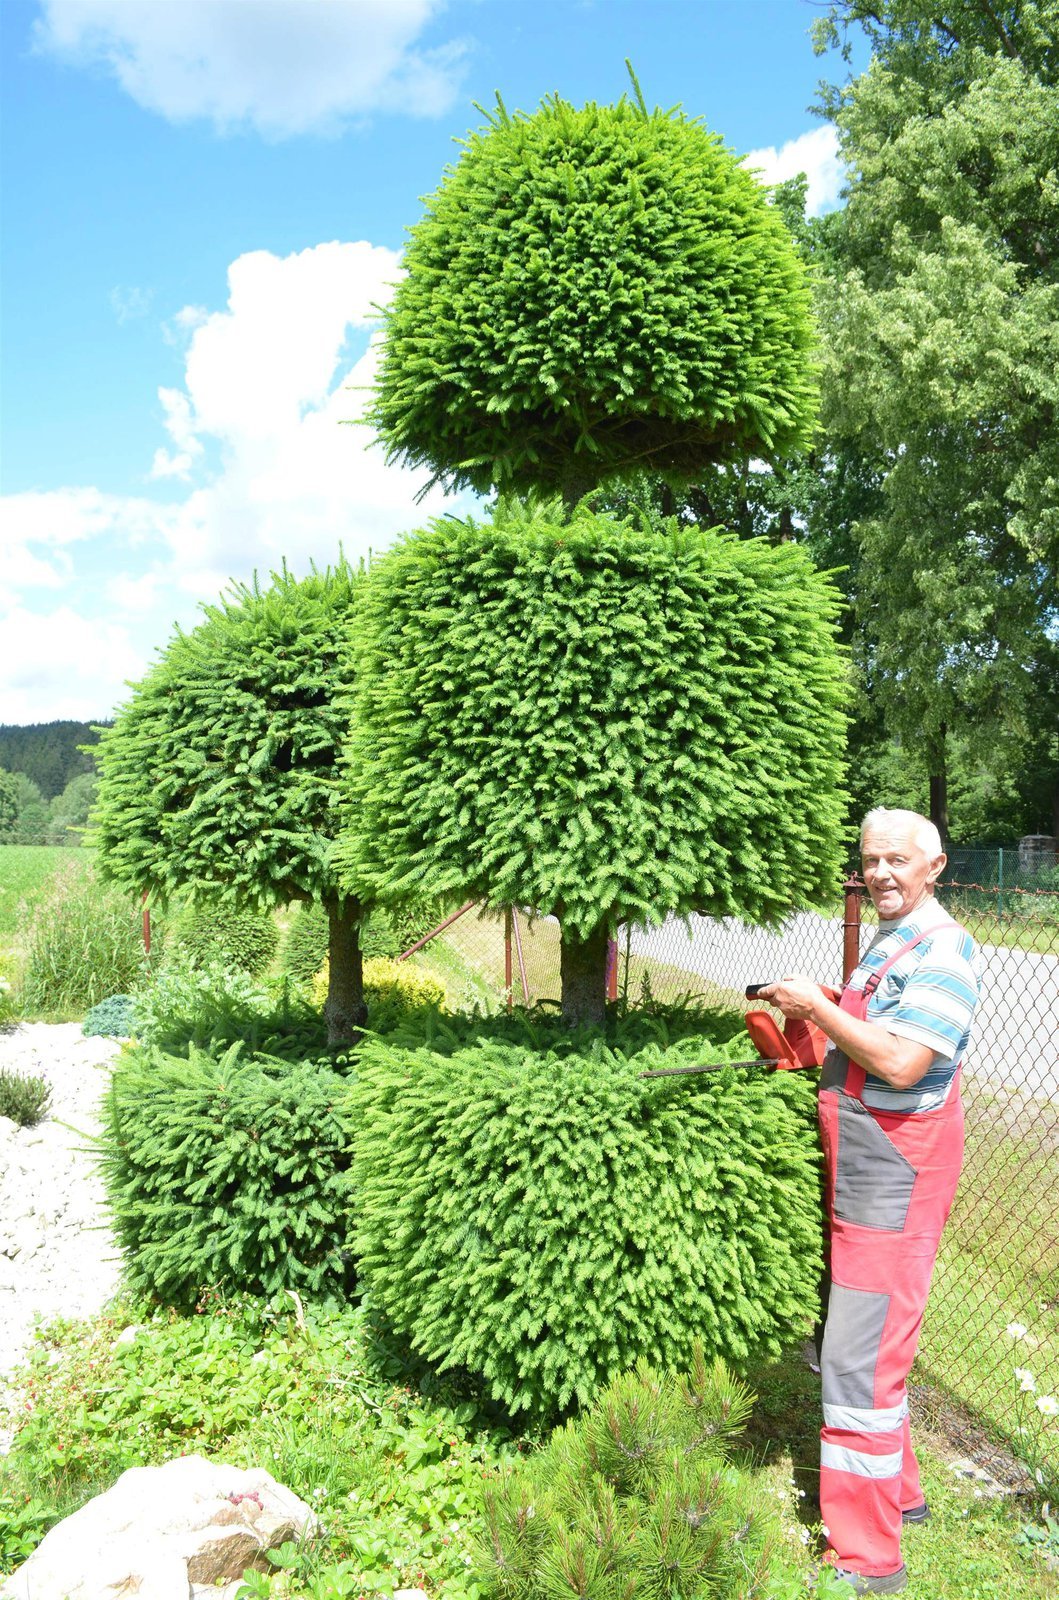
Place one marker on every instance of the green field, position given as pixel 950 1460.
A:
pixel 25 871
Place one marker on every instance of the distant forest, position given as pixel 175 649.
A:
pixel 47 752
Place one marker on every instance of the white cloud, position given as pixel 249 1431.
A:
pixel 62 665
pixel 816 154
pixel 281 67
pixel 263 468
pixel 129 303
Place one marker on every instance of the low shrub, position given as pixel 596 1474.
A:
pixel 23 1099
pixel 85 942
pixel 216 933
pixel 386 932
pixel 227 1172
pixel 548 1217
pixel 393 991
pixel 112 1018
pixel 636 1497
pixel 212 1007
pixel 305 943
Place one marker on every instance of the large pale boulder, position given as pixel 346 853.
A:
pixel 164 1533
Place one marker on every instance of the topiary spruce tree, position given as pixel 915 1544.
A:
pixel 604 722
pixel 219 774
pixel 595 292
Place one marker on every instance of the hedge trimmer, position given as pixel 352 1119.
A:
pixel 798 1044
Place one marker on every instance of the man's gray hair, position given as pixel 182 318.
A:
pixel 924 833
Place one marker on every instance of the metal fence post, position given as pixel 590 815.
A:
pixel 1000 882
pixel 851 927
pixel 508 995
pixel 146 925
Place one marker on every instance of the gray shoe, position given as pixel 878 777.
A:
pixel 890 1583
pixel 916 1513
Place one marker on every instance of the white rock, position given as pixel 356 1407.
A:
pixel 189 1522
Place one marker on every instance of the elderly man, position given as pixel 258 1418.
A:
pixel 892 1129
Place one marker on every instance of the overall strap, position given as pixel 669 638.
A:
pixel 855 1074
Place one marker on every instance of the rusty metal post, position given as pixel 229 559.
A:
pixel 851 927
pixel 146 925
pixel 612 969
pixel 509 998
pixel 521 957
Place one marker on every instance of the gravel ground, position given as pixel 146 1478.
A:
pixel 57 1255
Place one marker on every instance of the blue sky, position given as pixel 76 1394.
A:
pixel 202 200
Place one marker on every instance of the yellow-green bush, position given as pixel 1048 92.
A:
pixel 392 990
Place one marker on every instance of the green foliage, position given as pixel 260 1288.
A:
pixel 68 812
pixel 306 1391
pixel 211 1007
pixel 228 935
pixel 394 992
pixel 112 1018
pixel 547 1218
pixel 23 1099
pixel 84 943
pixel 219 772
pixel 305 943
pixel 387 931
pixel 225 1172
pixel 49 754
pixel 939 312
pixel 589 291
pixel 595 720
pixel 8 804
pixel 636 1497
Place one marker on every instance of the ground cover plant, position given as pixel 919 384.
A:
pixel 602 721
pixel 536 1210
pixel 218 776
pixel 310 1392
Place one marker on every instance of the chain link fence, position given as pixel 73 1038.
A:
pixel 998 1269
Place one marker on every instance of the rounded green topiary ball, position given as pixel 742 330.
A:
pixel 593 292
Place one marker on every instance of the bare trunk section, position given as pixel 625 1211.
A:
pixel 583 968
pixel 345 1012
pixel 939 785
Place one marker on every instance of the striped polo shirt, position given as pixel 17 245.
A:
pixel 929 995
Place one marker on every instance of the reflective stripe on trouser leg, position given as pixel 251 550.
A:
pixel 903 1177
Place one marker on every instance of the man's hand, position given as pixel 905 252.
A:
pixel 899 1061
pixel 795 997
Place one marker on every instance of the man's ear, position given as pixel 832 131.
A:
pixel 937 867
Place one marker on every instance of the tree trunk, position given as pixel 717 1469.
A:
pixel 583 968
pixel 939 786
pixel 345 1011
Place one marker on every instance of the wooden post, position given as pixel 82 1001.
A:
pixel 146 925
pixel 612 969
pixel 509 998
pixel 851 927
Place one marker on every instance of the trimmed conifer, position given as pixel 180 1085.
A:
pixel 592 292
pixel 548 1217
pixel 227 1173
pixel 604 722
pixel 219 776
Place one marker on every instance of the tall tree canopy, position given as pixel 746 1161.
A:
pixel 941 328
pixel 219 774
pixel 600 721
pixel 591 292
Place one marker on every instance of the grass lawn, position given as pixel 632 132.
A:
pixel 25 871
pixel 978 1543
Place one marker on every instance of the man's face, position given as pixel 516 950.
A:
pixel 898 873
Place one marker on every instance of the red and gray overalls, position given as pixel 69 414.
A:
pixel 890 1181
